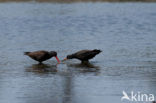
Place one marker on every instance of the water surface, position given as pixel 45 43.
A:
pixel 125 32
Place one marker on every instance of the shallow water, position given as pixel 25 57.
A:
pixel 125 32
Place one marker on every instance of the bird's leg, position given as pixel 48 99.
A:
pixel 40 63
pixel 85 62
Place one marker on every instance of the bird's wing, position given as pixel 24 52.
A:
pixel 37 54
pixel 85 54
pixel 82 52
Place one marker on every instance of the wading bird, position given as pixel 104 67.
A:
pixel 83 55
pixel 42 55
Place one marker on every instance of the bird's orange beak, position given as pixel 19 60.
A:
pixel 57 59
pixel 64 59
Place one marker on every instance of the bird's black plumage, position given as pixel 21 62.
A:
pixel 84 55
pixel 41 55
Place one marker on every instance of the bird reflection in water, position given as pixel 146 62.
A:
pixel 76 68
pixel 42 68
pixel 85 67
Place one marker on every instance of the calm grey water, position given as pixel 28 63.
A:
pixel 125 32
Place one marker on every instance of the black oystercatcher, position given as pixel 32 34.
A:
pixel 42 55
pixel 83 55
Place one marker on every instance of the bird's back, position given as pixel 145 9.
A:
pixel 38 55
pixel 85 55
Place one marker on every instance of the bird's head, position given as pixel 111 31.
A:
pixel 69 57
pixel 53 53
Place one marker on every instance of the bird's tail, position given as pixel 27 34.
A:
pixel 26 53
pixel 97 51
